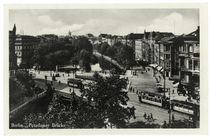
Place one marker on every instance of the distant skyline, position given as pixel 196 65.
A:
pixel 96 21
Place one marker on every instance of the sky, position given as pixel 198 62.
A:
pixel 96 21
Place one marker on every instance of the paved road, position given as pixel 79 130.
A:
pixel 159 114
pixel 143 82
pixel 146 82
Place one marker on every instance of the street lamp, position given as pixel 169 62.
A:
pixel 73 79
pixel 164 76
pixel 169 108
pixel 74 74
pixel 164 81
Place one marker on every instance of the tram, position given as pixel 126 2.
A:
pixel 184 107
pixel 76 83
pixel 163 102
pixel 152 98
pixel 91 78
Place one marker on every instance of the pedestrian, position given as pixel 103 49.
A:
pixel 70 90
pixel 133 112
pixel 173 118
pixel 151 116
pixel 59 82
pixel 63 75
pixel 145 115
pixel 164 124
pixel 148 117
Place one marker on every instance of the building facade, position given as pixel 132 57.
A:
pixel 24 49
pixel 189 61
pixel 12 55
pixel 166 46
pixel 138 49
pixel 135 41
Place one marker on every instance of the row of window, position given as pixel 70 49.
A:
pixel 22 53
pixel 193 48
pixel 190 64
pixel 24 47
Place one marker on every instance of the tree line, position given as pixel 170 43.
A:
pixel 123 54
pixel 67 51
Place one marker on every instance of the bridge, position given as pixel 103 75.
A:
pixel 114 62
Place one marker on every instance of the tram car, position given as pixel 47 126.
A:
pixel 153 98
pixel 163 102
pixel 76 83
pixel 184 107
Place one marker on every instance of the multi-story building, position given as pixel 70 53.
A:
pixel 153 39
pixel 138 49
pixel 189 60
pixel 136 41
pixel 167 58
pixel 12 55
pixel 145 51
pixel 24 48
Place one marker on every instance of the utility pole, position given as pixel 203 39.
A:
pixel 73 80
pixel 164 85
pixel 169 108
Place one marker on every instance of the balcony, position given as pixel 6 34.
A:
pixel 196 70
pixel 183 54
pixel 196 49
pixel 167 52
pixel 185 82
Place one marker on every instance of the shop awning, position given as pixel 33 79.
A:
pixel 159 68
pixel 153 65
pixel 176 85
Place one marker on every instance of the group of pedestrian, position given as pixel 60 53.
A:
pixel 133 90
pixel 148 117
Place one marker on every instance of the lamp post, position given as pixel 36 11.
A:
pixel 169 108
pixel 164 80
pixel 73 80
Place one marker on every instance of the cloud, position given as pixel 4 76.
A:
pixel 46 20
pixel 62 30
pixel 38 21
pixel 173 22
pixel 97 26
pixel 56 27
